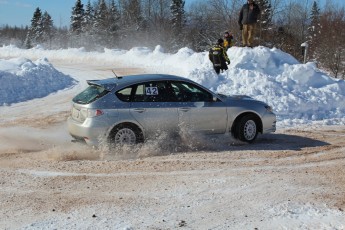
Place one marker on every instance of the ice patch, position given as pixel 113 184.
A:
pixel 306 216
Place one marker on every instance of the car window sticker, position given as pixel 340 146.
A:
pixel 151 90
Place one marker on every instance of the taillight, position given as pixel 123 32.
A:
pixel 94 112
pixel 87 113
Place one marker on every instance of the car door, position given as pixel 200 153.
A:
pixel 152 108
pixel 197 111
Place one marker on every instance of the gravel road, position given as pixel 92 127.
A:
pixel 292 179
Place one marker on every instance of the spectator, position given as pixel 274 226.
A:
pixel 247 20
pixel 218 57
pixel 228 40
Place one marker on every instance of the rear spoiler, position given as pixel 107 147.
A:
pixel 93 82
pixel 96 83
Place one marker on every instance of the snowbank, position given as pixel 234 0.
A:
pixel 299 93
pixel 22 80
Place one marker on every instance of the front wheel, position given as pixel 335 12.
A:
pixel 247 129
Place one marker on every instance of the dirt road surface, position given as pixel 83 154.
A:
pixel 292 179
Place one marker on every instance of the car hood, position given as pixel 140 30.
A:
pixel 235 97
pixel 239 98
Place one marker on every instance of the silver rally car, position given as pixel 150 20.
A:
pixel 128 110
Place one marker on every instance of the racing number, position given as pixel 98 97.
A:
pixel 151 91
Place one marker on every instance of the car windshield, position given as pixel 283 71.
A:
pixel 90 94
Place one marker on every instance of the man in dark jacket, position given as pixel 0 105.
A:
pixel 249 15
pixel 219 57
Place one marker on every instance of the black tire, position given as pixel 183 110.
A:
pixel 125 135
pixel 247 128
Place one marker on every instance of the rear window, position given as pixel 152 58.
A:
pixel 90 94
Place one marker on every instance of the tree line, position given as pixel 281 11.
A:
pixel 123 24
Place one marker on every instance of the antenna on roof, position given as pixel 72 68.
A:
pixel 115 74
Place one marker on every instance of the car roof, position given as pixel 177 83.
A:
pixel 123 81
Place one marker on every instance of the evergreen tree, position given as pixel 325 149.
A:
pixel 178 22
pixel 101 17
pixel 114 20
pixel 27 42
pixel 34 35
pixel 77 18
pixel 47 27
pixel 314 29
pixel 36 26
pixel 88 18
pixel 100 25
pixel 315 20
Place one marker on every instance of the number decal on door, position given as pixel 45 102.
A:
pixel 151 91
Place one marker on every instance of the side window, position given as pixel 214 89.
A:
pixel 124 94
pixel 156 91
pixel 188 92
pixel 139 95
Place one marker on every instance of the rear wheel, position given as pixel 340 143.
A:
pixel 247 129
pixel 125 135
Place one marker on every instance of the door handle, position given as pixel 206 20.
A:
pixel 139 110
pixel 185 109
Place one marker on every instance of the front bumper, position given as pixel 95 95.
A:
pixel 269 123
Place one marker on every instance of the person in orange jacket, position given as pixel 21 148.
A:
pixel 228 40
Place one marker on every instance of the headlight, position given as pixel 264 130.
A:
pixel 269 108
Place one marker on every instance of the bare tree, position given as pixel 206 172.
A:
pixel 330 50
pixel 157 15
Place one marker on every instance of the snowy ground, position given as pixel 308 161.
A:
pixel 293 179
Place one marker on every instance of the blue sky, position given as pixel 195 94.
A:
pixel 20 12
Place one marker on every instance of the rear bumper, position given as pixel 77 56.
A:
pixel 89 131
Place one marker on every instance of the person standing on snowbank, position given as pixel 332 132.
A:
pixel 219 57
pixel 247 20
pixel 228 40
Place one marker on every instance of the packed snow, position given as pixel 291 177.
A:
pixel 299 93
pixel 22 80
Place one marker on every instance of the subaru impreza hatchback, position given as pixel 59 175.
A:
pixel 130 109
